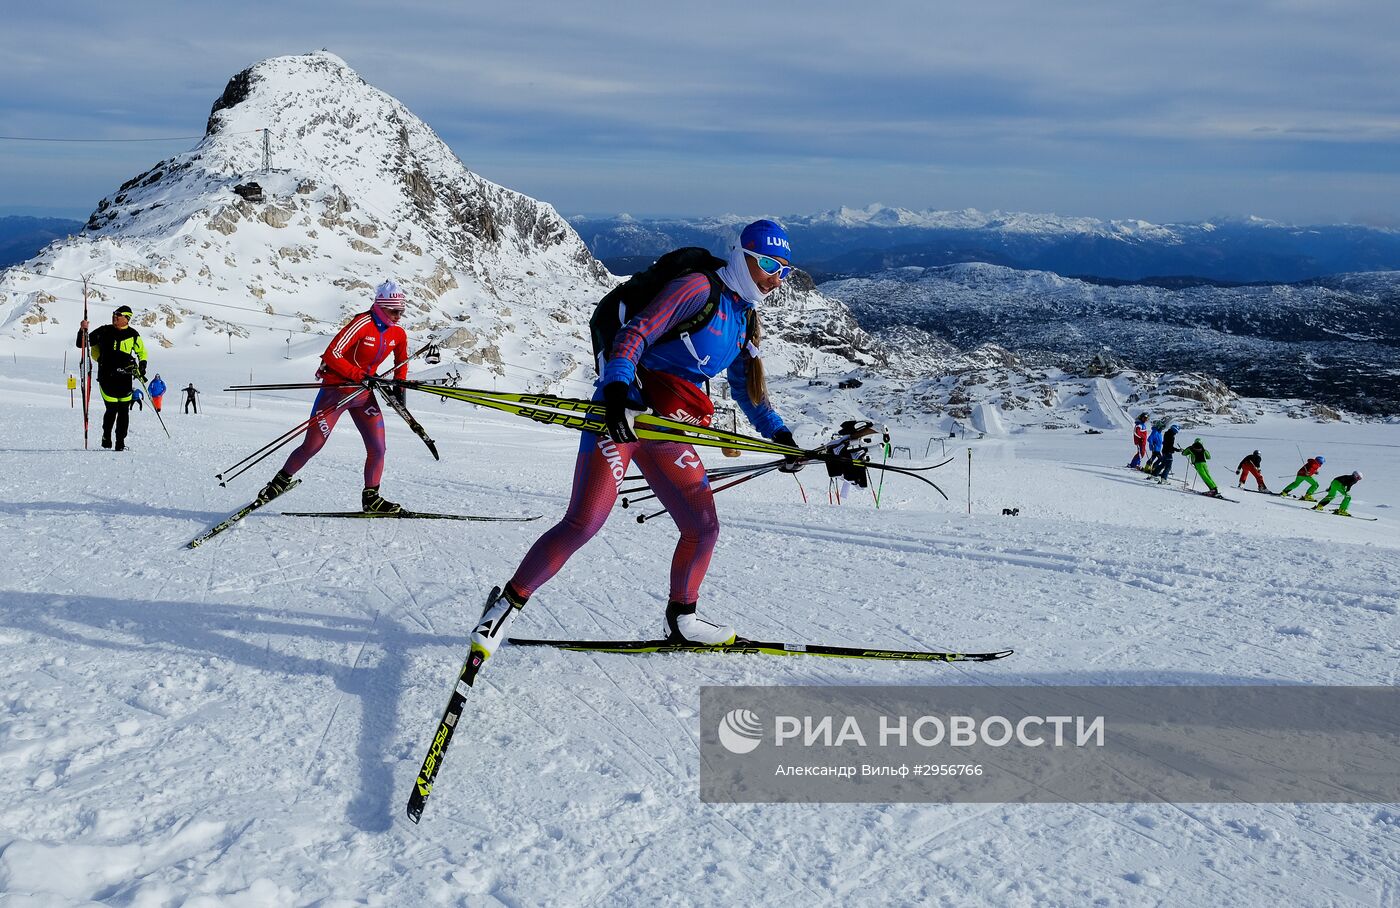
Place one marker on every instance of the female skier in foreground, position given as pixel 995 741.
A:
pixel 645 368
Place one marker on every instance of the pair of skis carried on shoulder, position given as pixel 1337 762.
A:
pixel 584 416
pixel 590 416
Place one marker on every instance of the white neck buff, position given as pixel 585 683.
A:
pixel 736 276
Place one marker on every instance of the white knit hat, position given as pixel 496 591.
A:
pixel 388 293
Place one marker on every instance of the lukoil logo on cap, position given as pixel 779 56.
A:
pixel 767 237
pixel 740 731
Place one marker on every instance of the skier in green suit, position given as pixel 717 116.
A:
pixel 1340 486
pixel 1197 455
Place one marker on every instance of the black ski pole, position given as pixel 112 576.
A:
pixel 719 474
pixel 85 370
pixel 402 409
pixel 153 406
pixel 259 455
pixel 643 518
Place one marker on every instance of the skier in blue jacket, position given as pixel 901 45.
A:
pixel 1163 470
pixel 1154 445
pixel 157 391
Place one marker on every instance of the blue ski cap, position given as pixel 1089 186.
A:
pixel 1321 459
pixel 1174 428
pixel 767 238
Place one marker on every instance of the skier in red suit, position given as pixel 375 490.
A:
pixel 354 354
pixel 1140 432
pixel 1249 467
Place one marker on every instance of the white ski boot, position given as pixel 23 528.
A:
pixel 683 626
pixel 495 622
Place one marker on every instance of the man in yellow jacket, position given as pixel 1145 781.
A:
pixel 120 354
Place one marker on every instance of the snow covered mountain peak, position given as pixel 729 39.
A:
pixel 349 189
pixel 335 141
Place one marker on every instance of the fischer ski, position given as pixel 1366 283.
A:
pixel 743 646
pixel 423 785
pixel 407 515
pixel 437 751
pixel 236 516
pixel 588 416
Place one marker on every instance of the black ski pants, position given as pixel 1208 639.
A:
pixel 118 415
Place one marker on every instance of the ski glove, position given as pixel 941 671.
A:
pixel 791 462
pixel 618 418
pixel 399 394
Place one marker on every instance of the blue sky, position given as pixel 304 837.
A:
pixel 1166 112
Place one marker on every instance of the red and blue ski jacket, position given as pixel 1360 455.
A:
pixel 713 348
pixel 358 349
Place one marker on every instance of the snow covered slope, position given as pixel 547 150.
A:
pixel 241 724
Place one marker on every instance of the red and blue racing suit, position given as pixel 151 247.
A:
pixel 673 469
pixel 354 353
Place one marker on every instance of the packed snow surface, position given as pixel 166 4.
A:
pixel 241 724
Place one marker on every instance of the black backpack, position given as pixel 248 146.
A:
pixel 626 300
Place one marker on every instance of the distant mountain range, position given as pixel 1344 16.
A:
pixel 850 242
pixel 1273 310
pixel 1334 340
pixel 22 237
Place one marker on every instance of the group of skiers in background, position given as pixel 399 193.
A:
pixel 1155 443
pixel 120 354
